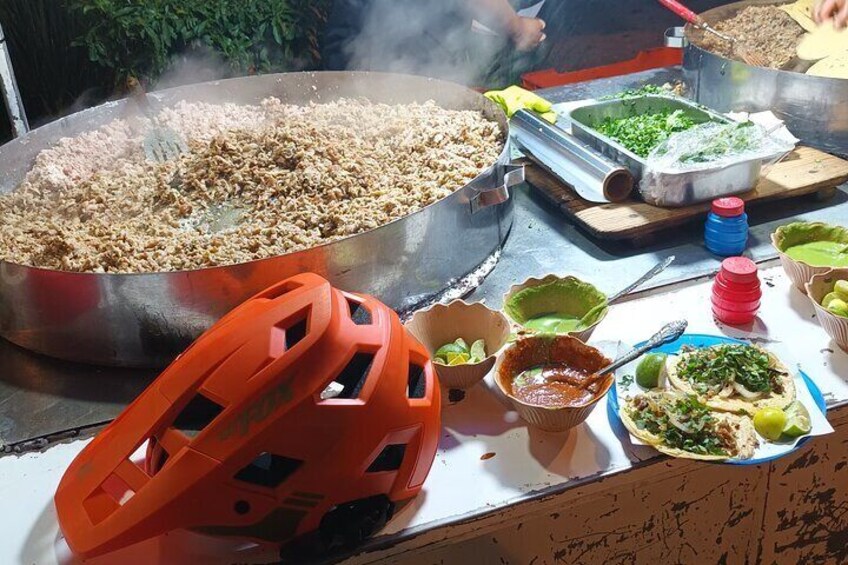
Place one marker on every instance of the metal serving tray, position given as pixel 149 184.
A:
pixel 675 189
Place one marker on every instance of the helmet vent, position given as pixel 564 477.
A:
pixel 353 376
pixel 389 459
pixel 417 383
pixel 359 313
pixel 268 470
pixel 295 333
pixel 197 414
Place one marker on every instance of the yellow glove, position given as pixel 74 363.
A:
pixel 515 98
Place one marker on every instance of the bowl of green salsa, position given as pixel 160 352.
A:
pixel 555 305
pixel 807 249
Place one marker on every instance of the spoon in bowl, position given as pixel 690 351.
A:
pixel 668 333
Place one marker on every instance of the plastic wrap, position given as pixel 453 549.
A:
pixel 707 147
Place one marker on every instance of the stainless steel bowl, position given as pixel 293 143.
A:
pixel 815 109
pixel 146 319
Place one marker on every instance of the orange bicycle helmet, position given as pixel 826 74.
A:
pixel 305 409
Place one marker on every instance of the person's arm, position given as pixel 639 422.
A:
pixel 836 10
pixel 526 33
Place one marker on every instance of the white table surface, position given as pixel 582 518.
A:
pixel 461 484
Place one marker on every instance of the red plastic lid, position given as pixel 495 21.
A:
pixel 738 296
pixel 728 207
pixel 721 285
pixel 739 269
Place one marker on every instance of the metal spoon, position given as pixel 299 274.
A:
pixel 161 143
pixel 746 53
pixel 657 269
pixel 668 333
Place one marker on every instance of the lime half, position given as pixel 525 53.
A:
pixel 648 370
pixel 797 420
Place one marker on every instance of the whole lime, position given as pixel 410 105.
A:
pixel 648 370
pixel 838 307
pixel 769 423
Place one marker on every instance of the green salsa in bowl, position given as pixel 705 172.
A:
pixel 556 306
pixel 810 248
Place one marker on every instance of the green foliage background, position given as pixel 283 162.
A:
pixel 140 37
pixel 69 54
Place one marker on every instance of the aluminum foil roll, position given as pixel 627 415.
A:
pixel 592 175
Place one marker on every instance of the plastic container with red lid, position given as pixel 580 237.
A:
pixel 726 229
pixel 736 292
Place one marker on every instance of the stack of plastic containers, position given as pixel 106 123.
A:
pixel 726 229
pixel 736 292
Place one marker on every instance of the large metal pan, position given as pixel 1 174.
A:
pixel 815 109
pixel 146 319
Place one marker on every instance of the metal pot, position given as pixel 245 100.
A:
pixel 146 319
pixel 815 109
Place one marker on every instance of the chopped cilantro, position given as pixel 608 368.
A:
pixel 683 423
pixel 731 139
pixel 641 91
pixel 626 381
pixel 711 369
pixel 641 133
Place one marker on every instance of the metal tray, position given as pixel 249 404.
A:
pixel 677 189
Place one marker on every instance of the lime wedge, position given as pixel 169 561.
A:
pixel 797 420
pixel 841 289
pixel 457 359
pixel 461 343
pixel 448 348
pixel 478 351
pixel 648 370
pixel 828 298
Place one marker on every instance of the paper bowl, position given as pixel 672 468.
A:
pixel 796 233
pixel 444 323
pixel 817 288
pixel 519 306
pixel 535 350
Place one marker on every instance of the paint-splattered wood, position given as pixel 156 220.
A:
pixel 793 510
pixel 804 171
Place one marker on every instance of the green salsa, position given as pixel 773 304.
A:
pixel 820 253
pixel 553 323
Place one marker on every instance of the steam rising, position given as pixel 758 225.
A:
pixel 429 38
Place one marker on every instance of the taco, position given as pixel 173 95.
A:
pixel 732 377
pixel 680 425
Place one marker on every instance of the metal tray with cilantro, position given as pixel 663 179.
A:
pixel 628 128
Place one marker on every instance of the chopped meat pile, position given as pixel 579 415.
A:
pixel 258 181
pixel 767 30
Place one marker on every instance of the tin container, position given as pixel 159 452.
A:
pixel 146 319
pixel 815 109
pixel 678 188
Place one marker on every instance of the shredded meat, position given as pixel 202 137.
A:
pixel 768 30
pixel 727 434
pixel 258 181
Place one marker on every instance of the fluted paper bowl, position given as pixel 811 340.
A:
pixel 582 335
pixel 532 351
pixel 796 233
pixel 444 323
pixel 817 288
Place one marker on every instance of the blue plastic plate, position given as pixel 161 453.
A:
pixel 700 340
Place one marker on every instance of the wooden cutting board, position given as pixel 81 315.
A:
pixel 804 171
